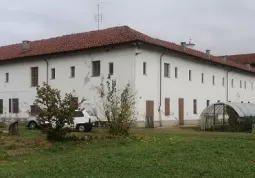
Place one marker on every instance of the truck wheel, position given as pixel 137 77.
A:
pixel 88 127
pixel 32 125
pixel 81 128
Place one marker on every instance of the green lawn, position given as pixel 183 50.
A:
pixel 153 153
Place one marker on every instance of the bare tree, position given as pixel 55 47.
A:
pixel 118 107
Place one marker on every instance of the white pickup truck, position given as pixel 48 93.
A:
pixel 82 122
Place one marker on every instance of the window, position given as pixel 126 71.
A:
pixel 1 106
pixel 34 76
pixel 75 102
pixel 213 80
pixel 241 84
pixel 91 113
pixel 244 84
pixel 176 72
pixel 194 106
pixel 207 103
pixel 111 68
pixel 14 105
pixel 223 81
pixel 166 70
pixel 78 114
pixel 6 77
pixel 202 78
pixel 232 83
pixel 190 78
pixel 53 74
pixel 95 68
pixel 167 106
pixel 144 68
pixel 33 109
pixel 72 72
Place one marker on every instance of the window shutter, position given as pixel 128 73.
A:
pixel 53 76
pixel 110 68
pixel 72 71
pixel 10 106
pixel 1 106
pixel 96 68
pixel 15 105
pixel 144 68
pixel 34 76
pixel 194 106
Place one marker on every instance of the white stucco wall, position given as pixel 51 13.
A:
pixel 237 94
pixel 175 88
pixel 19 85
pixel 128 67
pixel 81 85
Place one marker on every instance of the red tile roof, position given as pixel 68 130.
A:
pixel 94 39
pixel 242 58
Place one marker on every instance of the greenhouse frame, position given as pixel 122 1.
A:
pixel 230 116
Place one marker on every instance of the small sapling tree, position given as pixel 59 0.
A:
pixel 53 112
pixel 118 107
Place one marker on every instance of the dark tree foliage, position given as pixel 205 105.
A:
pixel 54 112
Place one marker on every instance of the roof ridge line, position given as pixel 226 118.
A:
pixel 66 35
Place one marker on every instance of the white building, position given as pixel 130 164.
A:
pixel 174 83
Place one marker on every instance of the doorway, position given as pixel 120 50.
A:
pixel 181 111
pixel 149 120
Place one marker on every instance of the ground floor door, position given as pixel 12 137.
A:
pixel 149 120
pixel 181 111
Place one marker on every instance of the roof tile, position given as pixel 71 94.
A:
pixel 93 39
pixel 242 58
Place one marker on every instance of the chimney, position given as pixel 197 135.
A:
pixel 183 45
pixel 208 51
pixel 25 45
pixel 248 65
pixel 224 58
pixel 190 45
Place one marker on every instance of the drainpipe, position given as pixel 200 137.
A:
pixel 227 85
pixel 47 70
pixel 160 89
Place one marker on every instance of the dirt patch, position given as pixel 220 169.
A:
pixel 18 144
pixel 4 163
pixel 20 151
pixel 23 147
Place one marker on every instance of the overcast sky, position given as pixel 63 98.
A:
pixel 224 26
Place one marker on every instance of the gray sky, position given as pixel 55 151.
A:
pixel 224 26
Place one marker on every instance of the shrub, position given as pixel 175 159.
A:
pixel 118 107
pixel 54 112
pixel 2 125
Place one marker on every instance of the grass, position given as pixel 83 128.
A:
pixel 152 153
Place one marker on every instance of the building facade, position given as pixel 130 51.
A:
pixel 173 83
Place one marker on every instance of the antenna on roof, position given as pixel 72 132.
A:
pixel 98 17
